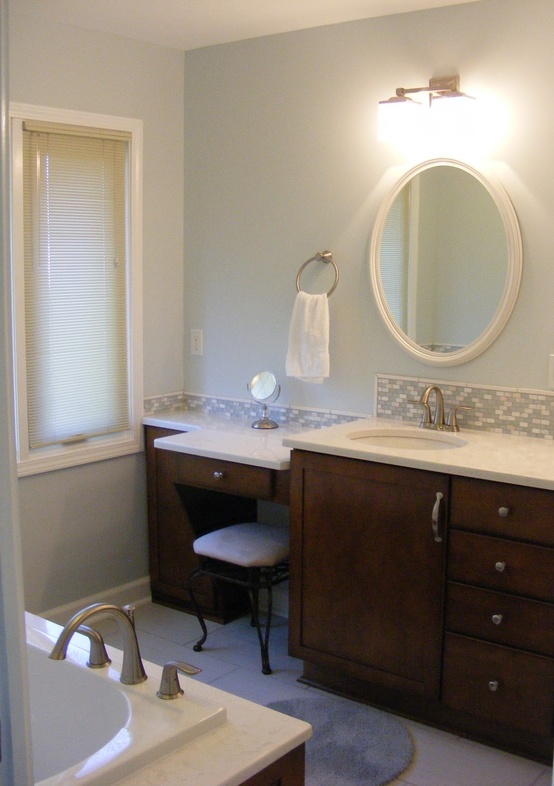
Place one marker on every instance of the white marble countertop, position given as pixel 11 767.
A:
pixel 525 461
pixel 217 437
pixel 522 460
pixel 189 420
pixel 252 738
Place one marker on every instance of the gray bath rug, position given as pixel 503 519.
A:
pixel 352 744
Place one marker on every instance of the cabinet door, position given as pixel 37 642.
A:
pixel 367 573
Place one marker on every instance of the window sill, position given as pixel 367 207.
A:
pixel 66 457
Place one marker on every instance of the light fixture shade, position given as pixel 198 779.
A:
pixel 447 116
pixel 453 116
pixel 400 119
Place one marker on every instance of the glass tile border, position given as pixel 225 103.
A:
pixel 247 409
pixel 501 410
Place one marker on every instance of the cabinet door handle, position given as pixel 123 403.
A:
pixel 493 685
pixel 500 567
pixel 435 517
pixel 503 511
pixel 497 619
pixel 219 475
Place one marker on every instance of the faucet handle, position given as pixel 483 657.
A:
pixel 169 686
pixel 426 416
pixel 98 657
pixel 452 420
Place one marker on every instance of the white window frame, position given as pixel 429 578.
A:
pixel 32 461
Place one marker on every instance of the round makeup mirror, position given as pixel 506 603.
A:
pixel 264 389
pixel 446 261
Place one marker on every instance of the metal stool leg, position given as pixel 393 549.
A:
pixel 194 575
pixel 254 592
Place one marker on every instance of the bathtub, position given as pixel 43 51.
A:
pixel 88 728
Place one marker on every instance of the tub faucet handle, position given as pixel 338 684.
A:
pixel 98 657
pixel 170 687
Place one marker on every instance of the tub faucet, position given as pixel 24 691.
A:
pixel 132 670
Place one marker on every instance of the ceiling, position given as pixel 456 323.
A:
pixel 190 24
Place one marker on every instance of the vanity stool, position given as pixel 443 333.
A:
pixel 251 555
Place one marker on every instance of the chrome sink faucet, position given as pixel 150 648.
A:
pixel 438 418
pixel 437 422
pixel 132 670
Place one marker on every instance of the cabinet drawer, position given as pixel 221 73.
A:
pixel 500 618
pixel 499 683
pixel 503 509
pixel 504 565
pixel 227 476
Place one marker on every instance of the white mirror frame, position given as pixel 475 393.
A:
pixel 513 277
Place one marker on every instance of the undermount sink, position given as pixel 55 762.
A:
pixel 406 439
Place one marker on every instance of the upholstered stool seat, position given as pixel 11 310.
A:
pixel 252 555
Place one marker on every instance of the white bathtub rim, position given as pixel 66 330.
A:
pixel 155 729
pixel 253 738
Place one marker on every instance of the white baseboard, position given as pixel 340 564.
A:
pixel 137 593
pixel 134 593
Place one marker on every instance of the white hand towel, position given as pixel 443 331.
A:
pixel 308 350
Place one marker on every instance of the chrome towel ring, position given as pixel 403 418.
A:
pixel 323 256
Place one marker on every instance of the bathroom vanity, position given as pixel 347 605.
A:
pixel 422 580
pixel 202 474
pixel 422 564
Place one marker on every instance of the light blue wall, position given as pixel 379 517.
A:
pixel 279 160
pixel 84 529
pixel 282 160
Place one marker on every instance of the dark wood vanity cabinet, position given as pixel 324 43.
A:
pixel 289 770
pixel 188 496
pixel 457 633
pixel 366 570
pixel 499 640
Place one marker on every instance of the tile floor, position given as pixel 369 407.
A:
pixel 231 662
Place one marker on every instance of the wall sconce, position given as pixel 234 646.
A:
pixel 400 117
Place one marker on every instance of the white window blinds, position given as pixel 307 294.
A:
pixel 75 270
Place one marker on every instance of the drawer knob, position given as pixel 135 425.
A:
pixel 500 567
pixel 503 512
pixel 493 685
pixel 497 619
pixel 219 475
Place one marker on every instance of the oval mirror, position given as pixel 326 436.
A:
pixel 446 261
pixel 264 389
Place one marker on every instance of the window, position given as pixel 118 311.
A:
pixel 77 275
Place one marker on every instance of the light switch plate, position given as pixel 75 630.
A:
pixel 196 342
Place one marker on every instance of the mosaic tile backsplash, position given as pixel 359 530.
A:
pixel 528 413
pixel 247 409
